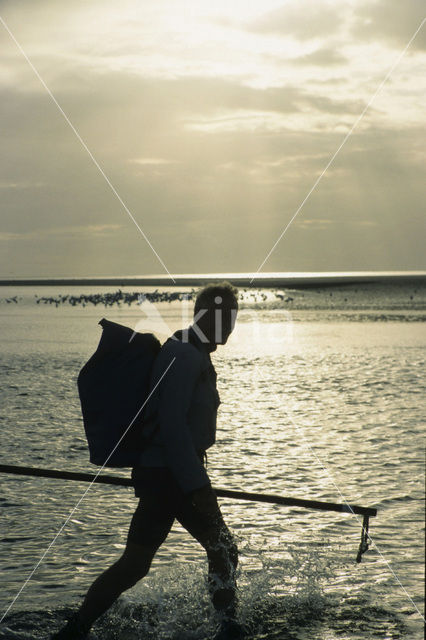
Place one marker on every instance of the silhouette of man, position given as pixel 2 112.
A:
pixel 171 479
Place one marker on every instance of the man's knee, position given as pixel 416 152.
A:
pixel 223 555
pixel 136 561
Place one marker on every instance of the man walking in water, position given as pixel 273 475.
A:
pixel 171 480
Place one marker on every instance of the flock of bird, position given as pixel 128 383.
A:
pixel 115 298
pixel 123 297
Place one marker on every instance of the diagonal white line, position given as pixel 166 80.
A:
pixel 74 509
pixel 96 163
pixel 357 121
pixel 350 510
pixel 279 239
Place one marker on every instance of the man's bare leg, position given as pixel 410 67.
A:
pixel 133 565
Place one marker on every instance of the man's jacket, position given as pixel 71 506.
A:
pixel 182 411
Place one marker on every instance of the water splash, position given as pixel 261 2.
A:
pixel 279 598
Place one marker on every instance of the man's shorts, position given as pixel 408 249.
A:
pixel 161 502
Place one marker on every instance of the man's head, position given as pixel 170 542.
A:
pixel 215 312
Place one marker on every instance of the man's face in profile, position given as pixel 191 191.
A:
pixel 223 320
pixel 218 322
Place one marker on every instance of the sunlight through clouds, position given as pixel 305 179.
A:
pixel 212 115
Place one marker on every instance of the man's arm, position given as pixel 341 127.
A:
pixel 175 395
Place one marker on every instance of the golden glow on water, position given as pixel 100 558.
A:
pixel 325 410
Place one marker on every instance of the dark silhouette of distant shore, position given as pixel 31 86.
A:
pixel 262 280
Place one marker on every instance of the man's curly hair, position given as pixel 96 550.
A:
pixel 205 298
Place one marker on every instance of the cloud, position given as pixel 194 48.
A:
pixel 322 57
pixel 306 20
pixel 392 21
pixel 314 224
pixel 143 121
pixel 69 231
pixel 154 162
pixel 212 166
pixel 21 185
pixel 7 236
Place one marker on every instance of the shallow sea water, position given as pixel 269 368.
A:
pixel 318 406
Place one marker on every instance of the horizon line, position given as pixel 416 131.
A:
pixel 264 280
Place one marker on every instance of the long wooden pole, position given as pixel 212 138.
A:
pixel 223 493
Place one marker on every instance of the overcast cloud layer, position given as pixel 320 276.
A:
pixel 212 123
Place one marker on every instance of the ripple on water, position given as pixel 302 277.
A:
pixel 334 416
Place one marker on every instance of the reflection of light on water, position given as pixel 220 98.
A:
pixel 258 338
pixel 362 423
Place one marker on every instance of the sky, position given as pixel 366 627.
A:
pixel 212 121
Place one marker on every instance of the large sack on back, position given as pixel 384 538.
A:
pixel 114 385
